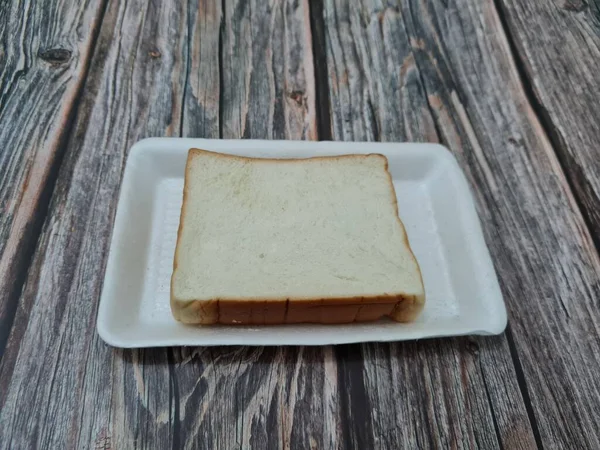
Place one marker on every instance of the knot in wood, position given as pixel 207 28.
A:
pixel 515 140
pixel 298 97
pixel 55 56
pixel 472 347
pixel 575 5
pixel 103 443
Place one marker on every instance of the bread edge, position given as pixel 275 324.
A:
pixel 206 312
pixel 406 311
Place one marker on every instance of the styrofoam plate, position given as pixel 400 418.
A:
pixel 435 204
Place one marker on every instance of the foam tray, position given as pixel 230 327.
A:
pixel 435 204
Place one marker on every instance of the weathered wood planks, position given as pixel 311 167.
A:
pixel 412 70
pixel 260 397
pixel 62 386
pixel 44 55
pixel 457 58
pixel 152 75
pixel 558 47
pixel 437 394
pixel 268 75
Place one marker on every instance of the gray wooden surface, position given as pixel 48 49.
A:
pixel 557 45
pixel 42 69
pixel 79 84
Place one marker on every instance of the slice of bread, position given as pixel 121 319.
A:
pixel 273 241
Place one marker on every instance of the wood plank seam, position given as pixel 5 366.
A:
pixel 523 387
pixel 564 158
pixel 353 397
pixel 221 77
pixel 493 411
pixel 323 112
pixel 29 244
pixel 187 66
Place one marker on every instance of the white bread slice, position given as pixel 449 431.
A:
pixel 265 241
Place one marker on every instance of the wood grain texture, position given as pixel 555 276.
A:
pixel 268 74
pixel 44 52
pixel 260 397
pixel 406 70
pixel 200 113
pixel 61 387
pixel 544 255
pixel 153 74
pixel 558 44
pixel 456 394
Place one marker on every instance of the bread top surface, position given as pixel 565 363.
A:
pixel 275 229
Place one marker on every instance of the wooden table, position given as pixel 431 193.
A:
pixel 512 87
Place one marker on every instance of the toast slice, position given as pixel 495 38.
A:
pixel 274 241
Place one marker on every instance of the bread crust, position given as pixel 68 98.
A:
pixel 272 311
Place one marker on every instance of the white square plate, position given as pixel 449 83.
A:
pixel 435 204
